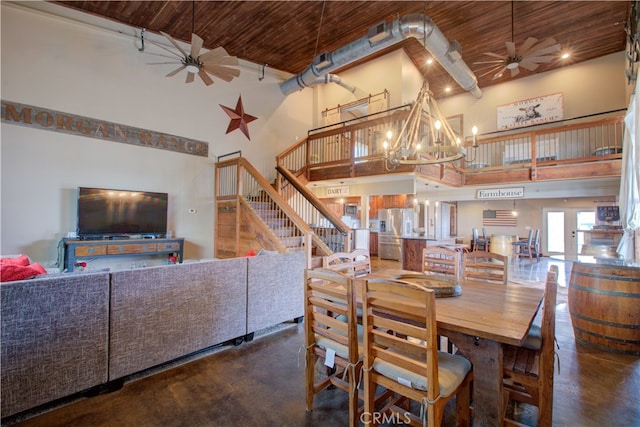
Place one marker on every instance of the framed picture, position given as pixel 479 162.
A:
pixel 532 111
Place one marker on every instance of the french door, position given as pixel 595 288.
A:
pixel 561 225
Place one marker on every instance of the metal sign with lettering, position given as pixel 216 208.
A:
pixel 56 121
pixel 501 193
pixel 338 191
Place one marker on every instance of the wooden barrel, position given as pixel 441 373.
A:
pixel 604 303
pixel 501 244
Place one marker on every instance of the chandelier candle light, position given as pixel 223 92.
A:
pixel 426 136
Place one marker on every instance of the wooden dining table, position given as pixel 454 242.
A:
pixel 478 322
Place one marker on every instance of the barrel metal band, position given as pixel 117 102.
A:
pixel 605 292
pixel 604 322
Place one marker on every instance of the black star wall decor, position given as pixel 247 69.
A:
pixel 239 119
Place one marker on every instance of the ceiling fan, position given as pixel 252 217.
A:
pixel 530 55
pixel 216 62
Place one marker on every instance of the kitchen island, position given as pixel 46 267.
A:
pixel 412 247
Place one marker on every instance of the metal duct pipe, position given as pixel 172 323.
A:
pixel 334 78
pixel 381 36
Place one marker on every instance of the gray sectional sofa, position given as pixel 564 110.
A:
pixel 67 333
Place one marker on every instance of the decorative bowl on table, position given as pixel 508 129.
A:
pixel 441 285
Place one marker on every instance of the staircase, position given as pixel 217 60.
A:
pixel 280 225
pixel 252 216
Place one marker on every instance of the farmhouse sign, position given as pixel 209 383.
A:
pixel 531 111
pixel 501 193
pixel 43 118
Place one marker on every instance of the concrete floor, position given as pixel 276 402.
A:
pixel 261 383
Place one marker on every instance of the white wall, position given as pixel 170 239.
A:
pixel 588 87
pixel 77 69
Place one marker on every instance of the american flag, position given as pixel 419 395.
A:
pixel 502 218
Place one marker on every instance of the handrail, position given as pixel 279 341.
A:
pixel 266 187
pixel 315 201
pixel 337 151
pixel 239 183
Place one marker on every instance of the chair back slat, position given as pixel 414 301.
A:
pixel 406 313
pixel 330 309
pixel 355 263
pixel 484 266
pixel 442 261
pixel 331 325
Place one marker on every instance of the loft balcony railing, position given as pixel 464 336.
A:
pixel 355 148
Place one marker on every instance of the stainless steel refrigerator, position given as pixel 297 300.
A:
pixel 394 223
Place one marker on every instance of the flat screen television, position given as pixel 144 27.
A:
pixel 109 213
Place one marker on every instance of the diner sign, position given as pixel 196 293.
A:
pixel 43 118
pixel 501 193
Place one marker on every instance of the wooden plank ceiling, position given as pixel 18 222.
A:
pixel 286 35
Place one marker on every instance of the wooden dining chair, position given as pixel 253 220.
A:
pixel 331 335
pixel 401 356
pixel 355 263
pixel 484 267
pixel 527 247
pixel 529 370
pixel 479 243
pixel 522 247
pixel 439 260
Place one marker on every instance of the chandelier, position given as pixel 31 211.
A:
pixel 426 136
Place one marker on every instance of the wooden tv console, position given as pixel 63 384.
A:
pixel 77 250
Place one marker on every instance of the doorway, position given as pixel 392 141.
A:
pixel 561 225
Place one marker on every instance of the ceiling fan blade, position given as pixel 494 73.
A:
pixel 539 58
pixel 162 63
pixel 196 45
pixel 174 43
pixel 528 65
pixel 218 52
pixel 224 60
pixel 543 51
pixel 528 44
pixel 549 42
pixel 189 78
pixel 499 73
pixel 495 55
pixel 205 77
pixel 515 71
pixel 176 71
pixel 223 73
pixel 492 70
pixel 497 61
pixel 511 48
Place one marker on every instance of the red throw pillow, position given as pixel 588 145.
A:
pixel 12 272
pixel 250 253
pixel 20 260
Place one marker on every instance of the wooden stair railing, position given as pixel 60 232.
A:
pixel 251 215
pixel 327 226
